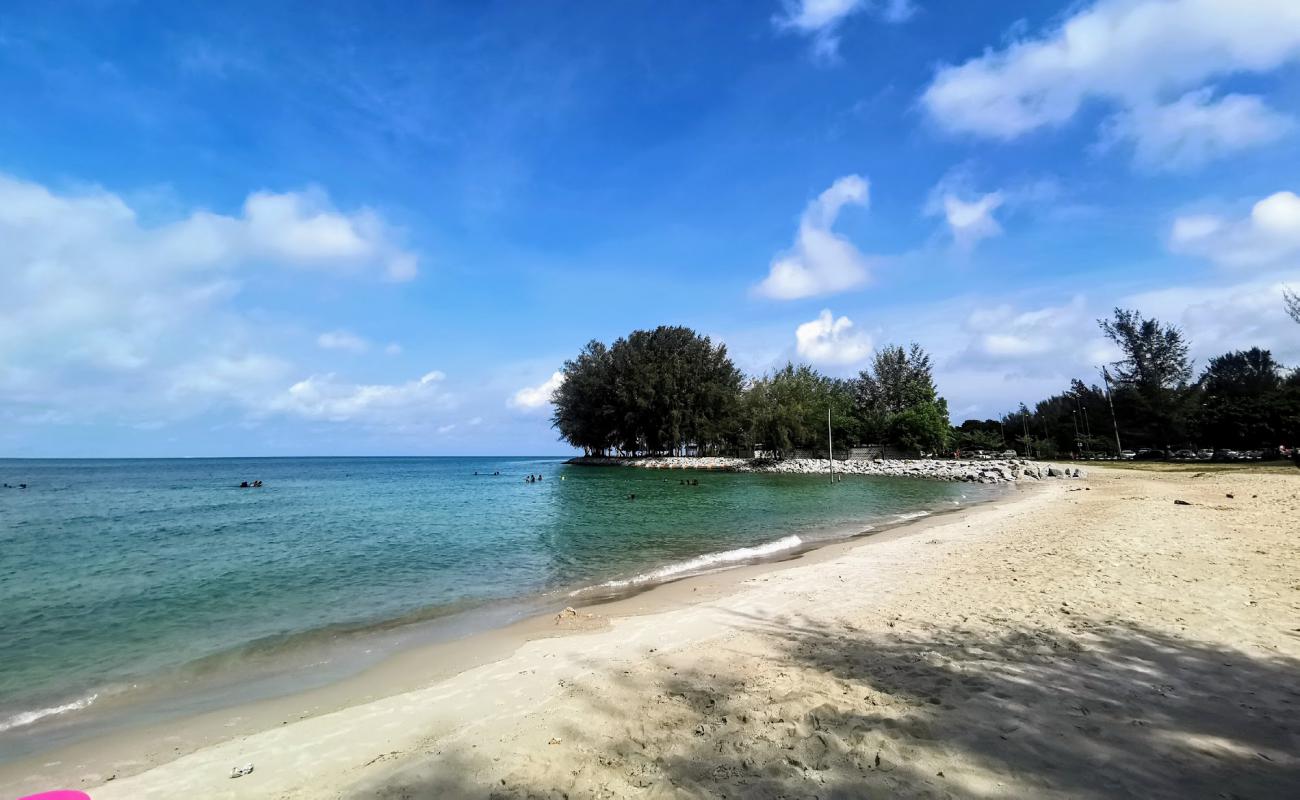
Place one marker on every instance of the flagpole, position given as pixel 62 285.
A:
pixel 830 445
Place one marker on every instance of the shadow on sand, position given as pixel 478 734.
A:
pixel 1100 710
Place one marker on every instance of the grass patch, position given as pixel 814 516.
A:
pixel 1279 467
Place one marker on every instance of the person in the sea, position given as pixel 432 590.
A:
pixel 257 484
pixel 243 484
pixel 631 497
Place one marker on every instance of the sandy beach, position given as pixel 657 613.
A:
pixel 1088 638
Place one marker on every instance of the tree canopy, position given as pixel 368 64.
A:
pixel 651 392
pixel 897 402
pixel 670 390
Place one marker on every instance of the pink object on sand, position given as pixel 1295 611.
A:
pixel 61 794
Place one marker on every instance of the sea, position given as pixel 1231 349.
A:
pixel 162 586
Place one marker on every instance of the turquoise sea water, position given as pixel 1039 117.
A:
pixel 118 575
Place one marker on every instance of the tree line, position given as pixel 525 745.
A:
pixel 1153 397
pixel 670 391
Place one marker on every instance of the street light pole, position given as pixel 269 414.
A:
pixel 830 444
pixel 1110 398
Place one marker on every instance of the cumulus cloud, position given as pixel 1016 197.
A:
pixel 969 220
pixel 827 340
pixel 342 340
pixel 1152 60
pixel 821 19
pixel 102 312
pixel 1268 238
pixel 326 397
pixel 821 262
pixel 532 398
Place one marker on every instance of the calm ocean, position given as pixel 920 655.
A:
pixel 118 576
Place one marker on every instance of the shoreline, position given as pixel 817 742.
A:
pixel 1127 635
pixel 134 748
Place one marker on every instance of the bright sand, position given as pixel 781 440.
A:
pixel 1082 639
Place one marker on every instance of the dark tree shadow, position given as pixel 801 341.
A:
pixel 1098 710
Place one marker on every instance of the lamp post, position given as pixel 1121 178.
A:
pixel 1110 398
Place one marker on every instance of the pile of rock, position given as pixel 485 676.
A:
pixel 1001 471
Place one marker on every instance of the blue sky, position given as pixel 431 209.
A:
pixel 346 228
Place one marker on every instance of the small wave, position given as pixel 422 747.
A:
pixel 909 515
pixel 28 717
pixel 705 562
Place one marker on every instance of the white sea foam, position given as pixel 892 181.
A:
pixel 28 717
pixel 904 517
pixel 705 563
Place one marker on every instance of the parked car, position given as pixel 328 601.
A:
pixel 1184 455
pixel 1150 454
pixel 1204 455
pixel 1127 455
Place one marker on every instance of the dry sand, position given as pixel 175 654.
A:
pixel 1089 639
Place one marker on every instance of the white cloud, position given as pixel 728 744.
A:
pixel 969 221
pixel 1135 55
pixel 342 340
pixel 393 349
pixel 248 379
pixel 972 216
pixel 821 19
pixel 1269 238
pixel 532 398
pixel 102 313
pixel 1037 341
pixel 827 340
pixel 1196 128
pixel 325 397
pixel 1220 317
pixel 897 10
pixel 821 262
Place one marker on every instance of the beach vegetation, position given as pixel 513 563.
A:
pixel 897 402
pixel 671 391
pixel 1243 402
pixel 658 391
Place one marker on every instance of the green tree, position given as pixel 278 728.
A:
pixel 654 391
pixel 1151 377
pixel 787 410
pixel 585 413
pixel 974 434
pixel 1242 403
pixel 896 401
